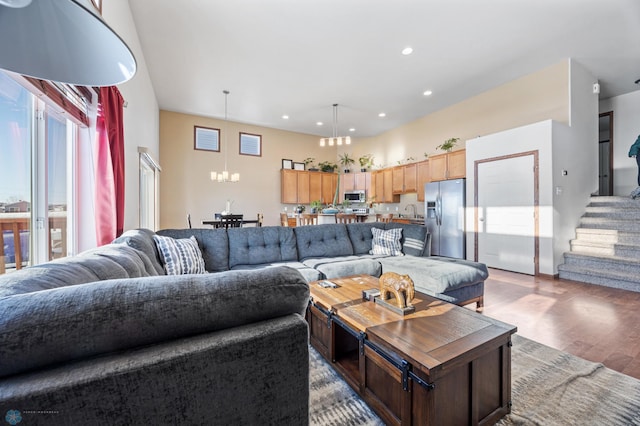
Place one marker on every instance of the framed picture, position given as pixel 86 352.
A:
pixel 287 164
pixel 298 166
pixel 206 138
pixel 250 144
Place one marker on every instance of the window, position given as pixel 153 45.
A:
pixel 36 140
pixel 149 179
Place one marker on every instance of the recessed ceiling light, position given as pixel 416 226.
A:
pixel 407 51
pixel 427 93
pixel 319 123
pixel 382 114
pixel 285 117
pixel 352 129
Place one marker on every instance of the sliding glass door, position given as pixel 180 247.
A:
pixel 35 141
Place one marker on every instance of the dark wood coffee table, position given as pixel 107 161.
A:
pixel 441 365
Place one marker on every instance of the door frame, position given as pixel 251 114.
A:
pixel 536 203
pixel 610 115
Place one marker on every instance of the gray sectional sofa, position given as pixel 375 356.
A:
pixel 338 250
pixel 106 337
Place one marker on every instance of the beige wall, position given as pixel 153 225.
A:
pixel 185 186
pixel 536 97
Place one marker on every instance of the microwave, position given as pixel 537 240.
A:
pixel 355 196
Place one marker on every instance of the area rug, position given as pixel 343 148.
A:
pixel 549 387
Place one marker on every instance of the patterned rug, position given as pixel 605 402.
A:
pixel 550 387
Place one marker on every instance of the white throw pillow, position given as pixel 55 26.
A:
pixel 180 256
pixel 386 242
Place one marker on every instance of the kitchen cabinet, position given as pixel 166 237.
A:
pixel 329 184
pixel 451 165
pixel 410 178
pixel 302 187
pixel 360 181
pixel 397 184
pixel 422 177
pixel 315 186
pixel 289 186
pixel 384 186
pixel 347 182
pixel 404 179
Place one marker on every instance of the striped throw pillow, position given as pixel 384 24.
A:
pixel 386 242
pixel 180 256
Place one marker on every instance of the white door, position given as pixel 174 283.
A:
pixel 506 222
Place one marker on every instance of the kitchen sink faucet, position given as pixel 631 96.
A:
pixel 415 214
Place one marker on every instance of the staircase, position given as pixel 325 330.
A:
pixel 606 250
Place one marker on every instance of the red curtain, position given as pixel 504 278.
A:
pixel 109 166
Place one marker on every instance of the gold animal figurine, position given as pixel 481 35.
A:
pixel 400 285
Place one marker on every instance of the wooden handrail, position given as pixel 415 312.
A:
pixel 17 222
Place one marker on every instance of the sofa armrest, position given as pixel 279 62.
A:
pixel 68 323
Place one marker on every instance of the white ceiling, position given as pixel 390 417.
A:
pixel 298 57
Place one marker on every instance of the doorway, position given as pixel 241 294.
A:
pixel 605 153
pixel 506 212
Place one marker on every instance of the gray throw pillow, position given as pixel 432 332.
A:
pixel 386 242
pixel 180 256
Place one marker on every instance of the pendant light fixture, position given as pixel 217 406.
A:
pixel 225 176
pixel 335 139
pixel 66 41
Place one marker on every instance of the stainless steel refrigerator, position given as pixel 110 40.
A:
pixel 444 205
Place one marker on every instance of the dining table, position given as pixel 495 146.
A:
pixel 217 223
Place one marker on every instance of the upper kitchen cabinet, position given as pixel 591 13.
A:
pixel 384 186
pixel 329 184
pixel 302 187
pixel 404 179
pixel 422 176
pixel 288 186
pixel 451 165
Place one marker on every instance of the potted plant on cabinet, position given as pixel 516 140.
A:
pixel 327 166
pixel 309 164
pixel 448 145
pixel 346 161
pixel 366 161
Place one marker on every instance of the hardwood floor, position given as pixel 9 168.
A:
pixel 597 323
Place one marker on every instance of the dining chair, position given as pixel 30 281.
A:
pixel 284 219
pixel 308 218
pixel 346 218
pixel 231 220
pixel 384 217
pixel 189 220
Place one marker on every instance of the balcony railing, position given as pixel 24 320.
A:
pixel 15 238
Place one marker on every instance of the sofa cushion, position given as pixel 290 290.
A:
pixel 76 322
pixel 142 239
pixel 415 238
pixel 181 256
pixel 361 236
pixel 213 243
pixel 436 274
pixel 307 272
pixel 111 261
pixel 328 240
pixel 345 266
pixel 386 241
pixel 261 245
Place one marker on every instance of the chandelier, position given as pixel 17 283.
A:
pixel 225 176
pixel 335 139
